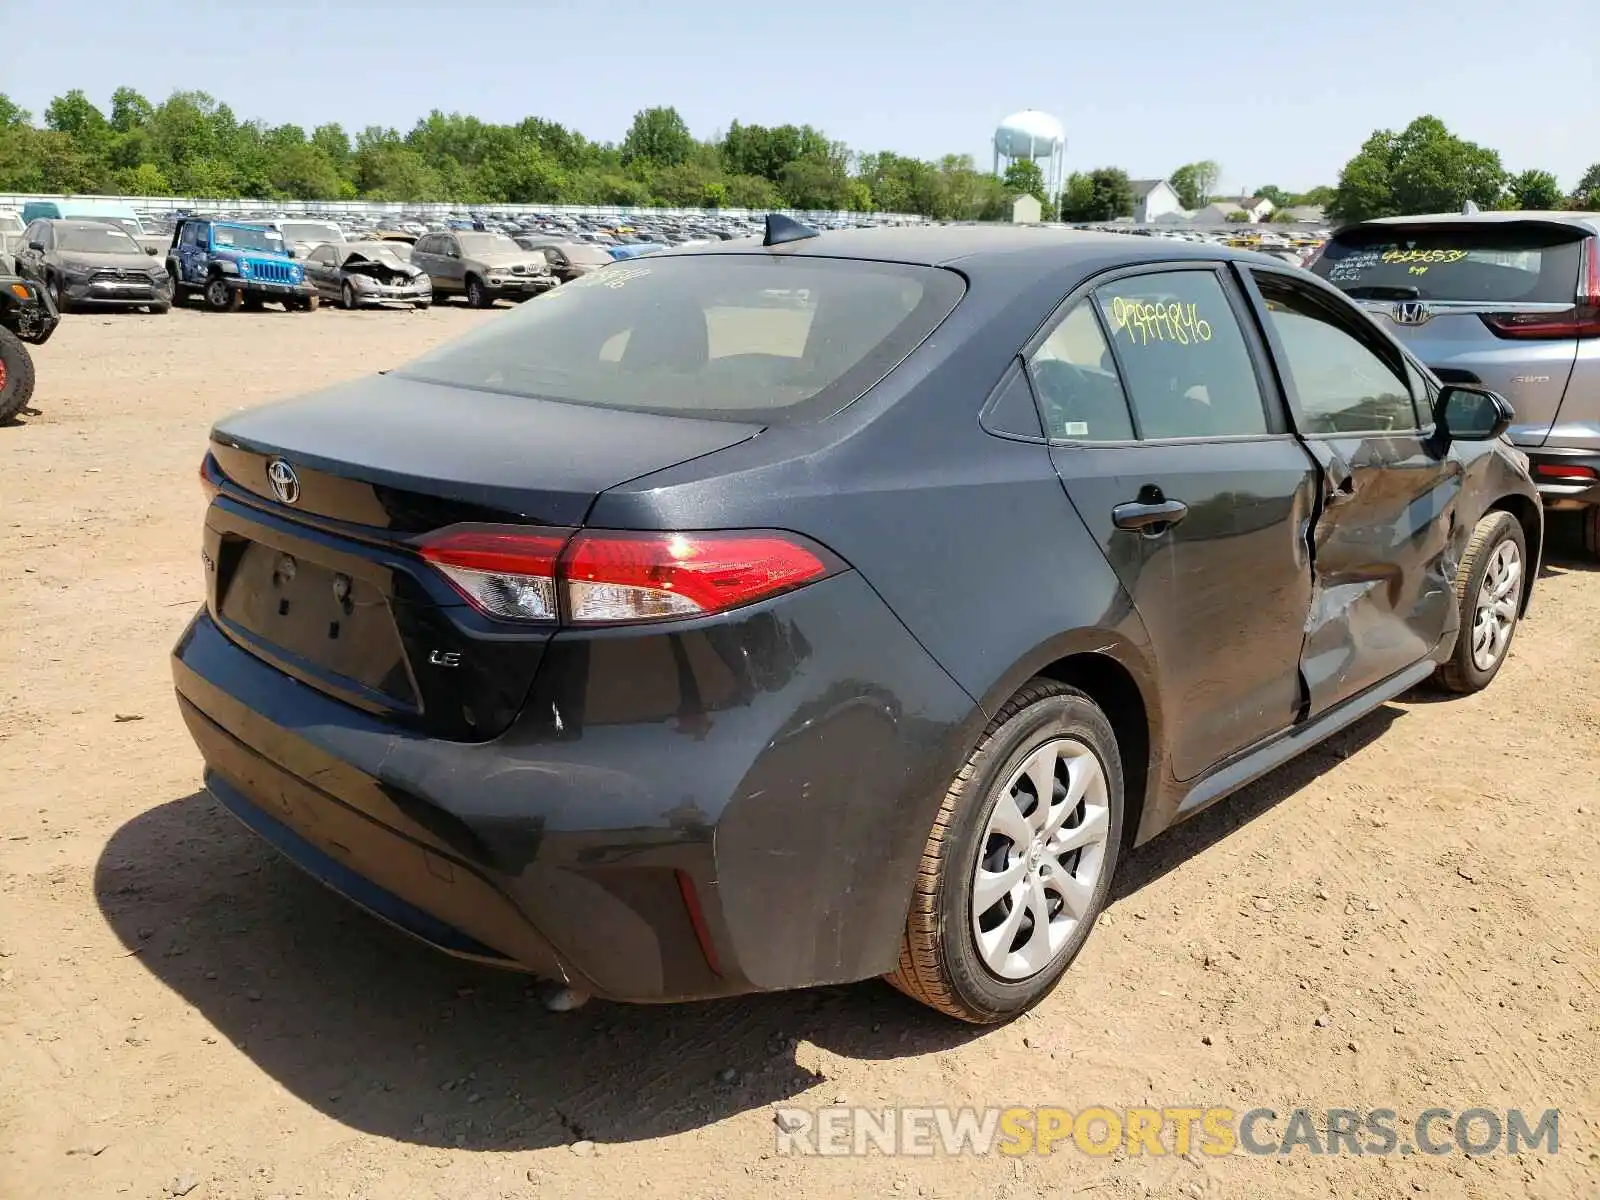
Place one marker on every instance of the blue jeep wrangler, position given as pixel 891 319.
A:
pixel 234 265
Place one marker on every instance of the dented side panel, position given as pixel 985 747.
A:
pixel 1384 555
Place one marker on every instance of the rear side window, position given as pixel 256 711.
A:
pixel 737 337
pixel 1076 380
pixel 1490 261
pixel 1183 356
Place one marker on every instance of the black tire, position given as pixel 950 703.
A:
pixel 347 296
pixel 1461 673
pixel 58 293
pixel 219 297
pixel 423 305
pixel 940 962
pixel 158 310
pixel 478 296
pixel 16 385
pixel 1590 517
pixel 311 303
pixel 180 292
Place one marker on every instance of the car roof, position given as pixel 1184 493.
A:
pixel 986 250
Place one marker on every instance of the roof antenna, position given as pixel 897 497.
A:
pixel 781 229
pixel 1469 208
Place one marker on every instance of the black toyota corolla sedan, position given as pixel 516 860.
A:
pixel 788 612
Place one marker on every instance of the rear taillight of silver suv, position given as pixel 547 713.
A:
pixel 1582 320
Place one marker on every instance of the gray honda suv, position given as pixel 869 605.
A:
pixel 1508 300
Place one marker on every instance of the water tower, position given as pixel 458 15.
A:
pixel 1036 136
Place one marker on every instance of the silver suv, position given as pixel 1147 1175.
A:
pixel 1509 300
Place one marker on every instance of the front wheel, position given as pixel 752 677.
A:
pixel 1019 862
pixel 58 293
pixel 1489 588
pixel 222 298
pixel 477 295
pixel 1591 530
pixel 347 296
pixel 16 376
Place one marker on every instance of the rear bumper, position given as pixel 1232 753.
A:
pixel 1559 493
pixel 734 807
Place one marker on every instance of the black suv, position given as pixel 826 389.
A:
pixel 765 615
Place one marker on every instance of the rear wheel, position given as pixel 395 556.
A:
pixel 16 376
pixel 179 292
pixel 1591 530
pixel 1489 588
pixel 1019 862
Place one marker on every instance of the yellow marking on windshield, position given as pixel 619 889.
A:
pixel 1423 256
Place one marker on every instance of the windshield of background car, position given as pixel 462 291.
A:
pixel 246 239
pixel 95 239
pixel 1493 261
pixel 127 224
pixel 487 243
pixel 313 232
pixel 733 337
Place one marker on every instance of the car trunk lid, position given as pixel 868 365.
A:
pixel 310 542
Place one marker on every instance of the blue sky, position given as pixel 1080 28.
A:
pixel 1276 93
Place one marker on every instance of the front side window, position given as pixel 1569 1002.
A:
pixel 189 235
pixel 740 337
pixel 1344 385
pixel 1080 395
pixel 1183 356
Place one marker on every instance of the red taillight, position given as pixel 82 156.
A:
pixel 613 576
pixel 503 572
pixel 1582 320
pixel 1557 471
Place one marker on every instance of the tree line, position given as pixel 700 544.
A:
pixel 193 145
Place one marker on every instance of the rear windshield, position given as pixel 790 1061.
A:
pixel 1489 262
pixel 736 337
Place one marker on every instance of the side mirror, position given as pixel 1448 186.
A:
pixel 36 246
pixel 1473 414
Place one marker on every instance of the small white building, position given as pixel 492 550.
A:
pixel 1026 210
pixel 1154 199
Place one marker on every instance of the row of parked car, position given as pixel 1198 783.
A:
pixel 231 264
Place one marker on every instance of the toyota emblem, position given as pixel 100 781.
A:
pixel 285 483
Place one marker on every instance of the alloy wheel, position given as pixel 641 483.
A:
pixel 1040 859
pixel 1495 615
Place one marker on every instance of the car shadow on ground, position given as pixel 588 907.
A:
pixel 395 1039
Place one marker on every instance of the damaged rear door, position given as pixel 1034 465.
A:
pixel 1383 558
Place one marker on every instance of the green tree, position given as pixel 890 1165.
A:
pixel 1237 217
pixel 12 117
pixel 1534 190
pixel 657 137
pixel 1423 168
pixel 130 110
pixel 1587 194
pixel 1024 175
pixel 1319 197
pixel 1279 197
pixel 1195 182
pixel 1077 198
pixel 1111 194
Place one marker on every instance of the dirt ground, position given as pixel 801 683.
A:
pixel 1407 918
